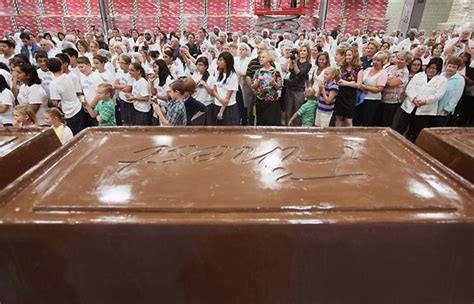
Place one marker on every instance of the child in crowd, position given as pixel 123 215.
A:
pixel 7 101
pixel 104 111
pixel 176 111
pixel 24 116
pixel 55 118
pixel 89 81
pixel 99 64
pixel 307 111
pixel 327 96
pixel 140 96
pixel 44 73
pixel 62 95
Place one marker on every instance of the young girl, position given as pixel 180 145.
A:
pixel 328 91
pixel 104 111
pixel 7 101
pixel 99 64
pixel 205 82
pixel 55 118
pixel 161 79
pixel 306 110
pixel 140 95
pixel 30 92
pixel 24 116
pixel 225 109
pixel 123 85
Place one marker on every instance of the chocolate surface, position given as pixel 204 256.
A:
pixel 21 149
pixel 237 215
pixel 454 147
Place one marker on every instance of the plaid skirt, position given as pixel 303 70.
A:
pixel 126 111
pixel 141 118
pixel 231 116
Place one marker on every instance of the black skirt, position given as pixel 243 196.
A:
pixel 345 102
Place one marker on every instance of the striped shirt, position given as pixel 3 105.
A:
pixel 322 106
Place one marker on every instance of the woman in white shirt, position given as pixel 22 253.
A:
pixel 204 86
pixel 246 96
pixel 30 91
pixel 226 111
pixel 140 95
pixel 7 102
pixel 84 49
pixel 160 81
pixel 421 102
pixel 123 85
pixel 374 80
pixel 174 65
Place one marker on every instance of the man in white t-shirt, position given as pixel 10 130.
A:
pixel 76 79
pixel 64 97
pixel 7 50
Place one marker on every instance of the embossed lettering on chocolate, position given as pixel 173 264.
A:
pixel 21 149
pixel 237 215
pixel 454 147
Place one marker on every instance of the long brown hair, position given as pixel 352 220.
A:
pixel 355 58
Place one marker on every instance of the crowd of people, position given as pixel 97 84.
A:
pixel 319 78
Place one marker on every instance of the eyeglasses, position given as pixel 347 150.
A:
pixel 132 70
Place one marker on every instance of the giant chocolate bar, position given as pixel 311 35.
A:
pixel 21 149
pixel 454 147
pixel 237 215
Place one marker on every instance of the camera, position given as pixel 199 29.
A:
pixel 293 54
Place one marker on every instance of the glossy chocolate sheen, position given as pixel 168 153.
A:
pixel 21 149
pixel 454 147
pixel 237 215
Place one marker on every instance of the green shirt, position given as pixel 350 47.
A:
pixel 307 111
pixel 106 110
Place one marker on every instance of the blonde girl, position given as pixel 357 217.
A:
pixel 24 116
pixel 328 91
pixel 55 118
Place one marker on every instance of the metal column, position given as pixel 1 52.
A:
pixel 104 16
pixel 323 11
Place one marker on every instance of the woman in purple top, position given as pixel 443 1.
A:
pixel 351 79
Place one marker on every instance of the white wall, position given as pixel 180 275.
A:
pixel 394 13
pixel 436 11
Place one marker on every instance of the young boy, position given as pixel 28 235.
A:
pixel 89 82
pixel 104 111
pixel 44 74
pixel 63 96
pixel 176 110
pixel 76 79
pixel 307 110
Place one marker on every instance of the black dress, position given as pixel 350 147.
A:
pixel 346 98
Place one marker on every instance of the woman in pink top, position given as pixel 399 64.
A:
pixel 373 83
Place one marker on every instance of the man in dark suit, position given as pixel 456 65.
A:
pixel 29 48
pixel 193 48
